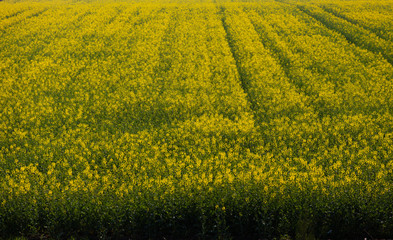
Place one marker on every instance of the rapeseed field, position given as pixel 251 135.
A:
pixel 196 120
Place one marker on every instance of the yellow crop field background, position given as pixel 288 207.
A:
pixel 196 120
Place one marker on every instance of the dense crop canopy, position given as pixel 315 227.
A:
pixel 196 119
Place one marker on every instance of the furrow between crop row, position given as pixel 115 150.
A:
pixel 275 101
pixel 262 77
pixel 301 44
pixel 354 22
pixel 374 16
pixel 21 18
pixel 308 52
pixel 240 72
pixel 355 34
pixel 299 74
pixel 11 11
